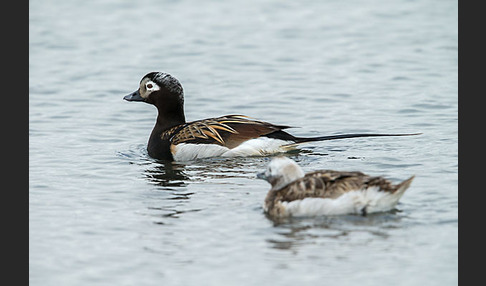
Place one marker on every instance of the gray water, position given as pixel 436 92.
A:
pixel 101 212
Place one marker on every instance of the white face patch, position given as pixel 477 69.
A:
pixel 147 87
pixel 151 86
pixel 283 171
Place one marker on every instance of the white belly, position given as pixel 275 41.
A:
pixel 261 146
pixel 350 203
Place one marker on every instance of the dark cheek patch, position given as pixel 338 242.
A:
pixel 272 180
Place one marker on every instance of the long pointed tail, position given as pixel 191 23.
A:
pixel 403 186
pixel 345 136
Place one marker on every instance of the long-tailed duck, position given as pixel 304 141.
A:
pixel 326 192
pixel 232 135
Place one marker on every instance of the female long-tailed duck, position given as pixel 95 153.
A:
pixel 232 135
pixel 326 192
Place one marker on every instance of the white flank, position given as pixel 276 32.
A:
pixel 261 146
pixel 187 152
pixel 350 203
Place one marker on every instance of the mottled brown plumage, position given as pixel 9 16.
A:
pixel 229 131
pixel 324 184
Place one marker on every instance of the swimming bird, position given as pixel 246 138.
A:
pixel 326 192
pixel 174 139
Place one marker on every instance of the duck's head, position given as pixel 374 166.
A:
pixel 160 89
pixel 280 172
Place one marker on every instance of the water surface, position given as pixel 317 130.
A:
pixel 101 212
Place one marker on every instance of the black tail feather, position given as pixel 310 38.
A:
pixel 345 136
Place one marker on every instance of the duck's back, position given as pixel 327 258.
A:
pixel 231 135
pixel 328 192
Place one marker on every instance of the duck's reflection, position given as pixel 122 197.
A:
pixel 295 232
pixel 169 200
pixel 166 174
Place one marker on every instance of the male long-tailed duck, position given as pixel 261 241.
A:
pixel 326 192
pixel 232 135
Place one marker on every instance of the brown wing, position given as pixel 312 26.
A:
pixel 331 184
pixel 229 131
pixel 327 184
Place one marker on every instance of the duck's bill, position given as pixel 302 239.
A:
pixel 134 96
pixel 261 176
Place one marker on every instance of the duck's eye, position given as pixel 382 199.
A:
pixel 151 86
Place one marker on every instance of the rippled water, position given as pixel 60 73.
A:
pixel 101 212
